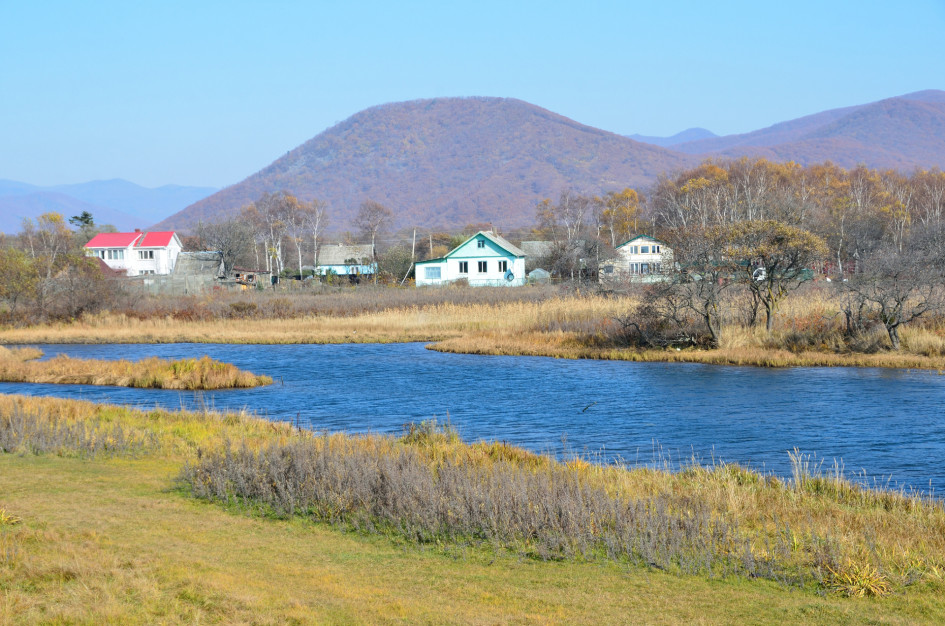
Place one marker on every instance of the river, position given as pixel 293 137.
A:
pixel 885 426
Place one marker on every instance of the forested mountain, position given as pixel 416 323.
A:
pixel 447 162
pixel 900 133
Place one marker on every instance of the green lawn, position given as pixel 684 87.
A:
pixel 111 541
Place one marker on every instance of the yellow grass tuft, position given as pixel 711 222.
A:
pixel 153 373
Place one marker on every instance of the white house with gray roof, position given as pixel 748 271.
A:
pixel 346 260
pixel 642 259
pixel 483 260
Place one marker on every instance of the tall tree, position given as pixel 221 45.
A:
pixel 773 257
pixel 619 215
pixel 232 238
pixel 373 217
pixel 314 219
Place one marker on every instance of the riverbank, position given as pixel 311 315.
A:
pixel 574 327
pixel 107 536
pixel 198 374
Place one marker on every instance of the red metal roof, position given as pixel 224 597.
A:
pixel 113 240
pixel 156 240
pixel 123 240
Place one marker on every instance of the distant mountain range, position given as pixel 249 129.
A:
pixel 690 134
pixel 117 202
pixel 448 162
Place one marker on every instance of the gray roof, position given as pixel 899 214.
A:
pixel 537 249
pixel 340 254
pixel 502 243
pixel 199 264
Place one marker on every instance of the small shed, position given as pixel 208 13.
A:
pixel 539 275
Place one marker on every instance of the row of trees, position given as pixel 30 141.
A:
pixel 856 212
pixel 45 274
pixel 277 224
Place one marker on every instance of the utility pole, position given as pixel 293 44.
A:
pixel 413 248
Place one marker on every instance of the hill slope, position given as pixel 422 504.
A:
pixel 903 133
pixel 447 162
pixel 452 161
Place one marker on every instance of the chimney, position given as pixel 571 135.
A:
pixel 137 230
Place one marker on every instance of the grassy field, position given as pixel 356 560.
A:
pixel 106 533
pixel 491 321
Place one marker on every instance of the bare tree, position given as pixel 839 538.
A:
pixel 672 311
pixel 900 287
pixel 372 218
pixel 233 238
pixel 315 218
pixel 274 213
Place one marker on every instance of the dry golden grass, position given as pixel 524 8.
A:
pixel 576 326
pixel 19 354
pixel 564 345
pixel 153 373
pixel 427 323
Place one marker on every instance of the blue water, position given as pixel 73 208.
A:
pixel 886 424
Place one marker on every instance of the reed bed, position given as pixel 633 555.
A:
pixel 19 354
pixel 189 374
pixel 808 331
pixel 816 528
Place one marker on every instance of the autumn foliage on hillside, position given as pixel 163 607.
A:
pixel 447 162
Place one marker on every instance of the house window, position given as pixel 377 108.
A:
pixel 644 268
pixel 116 255
pixel 431 272
pixel 146 254
pixel 608 269
pixel 634 249
pixel 480 243
pixel 503 266
pixel 656 268
pixel 644 249
pixel 634 268
pixel 482 267
pixel 464 267
pixel 656 249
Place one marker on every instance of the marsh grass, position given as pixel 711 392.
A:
pixel 19 354
pixel 431 489
pixel 35 432
pixel 809 328
pixel 152 373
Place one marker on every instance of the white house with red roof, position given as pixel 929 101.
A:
pixel 137 253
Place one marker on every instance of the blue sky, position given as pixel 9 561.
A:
pixel 206 93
